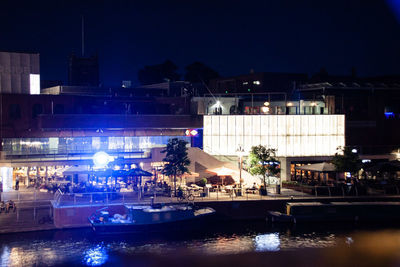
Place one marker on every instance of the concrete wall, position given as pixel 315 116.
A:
pixel 15 70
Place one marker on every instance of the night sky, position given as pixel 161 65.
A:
pixel 232 37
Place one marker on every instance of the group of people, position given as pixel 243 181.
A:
pixel 7 206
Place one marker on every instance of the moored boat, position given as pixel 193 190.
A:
pixel 336 211
pixel 151 218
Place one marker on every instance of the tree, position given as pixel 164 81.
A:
pixel 345 160
pixel 198 72
pixel 176 158
pixel 262 161
pixel 158 73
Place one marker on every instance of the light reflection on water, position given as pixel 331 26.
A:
pixel 86 249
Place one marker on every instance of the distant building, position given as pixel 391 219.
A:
pixel 372 112
pixel 83 71
pixel 19 73
pixel 261 82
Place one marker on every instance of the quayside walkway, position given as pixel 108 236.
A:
pixel 35 210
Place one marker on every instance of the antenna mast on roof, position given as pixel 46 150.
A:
pixel 83 37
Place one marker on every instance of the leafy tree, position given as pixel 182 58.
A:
pixel 198 72
pixel 261 161
pixel 346 161
pixel 176 158
pixel 158 73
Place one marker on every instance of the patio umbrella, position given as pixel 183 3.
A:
pixel 139 172
pixel 222 171
pixel 119 173
pixel 103 173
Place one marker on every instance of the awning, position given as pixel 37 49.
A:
pixel 76 170
pixel 318 167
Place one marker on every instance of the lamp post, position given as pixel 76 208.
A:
pixel 240 152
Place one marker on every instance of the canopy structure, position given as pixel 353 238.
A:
pixel 139 172
pixel 76 170
pixel 318 167
pixel 120 173
pixel 103 173
pixel 391 166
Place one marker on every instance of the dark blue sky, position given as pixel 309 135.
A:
pixel 230 36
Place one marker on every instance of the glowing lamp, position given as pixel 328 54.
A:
pixel 191 132
pixel 265 109
pixel 101 159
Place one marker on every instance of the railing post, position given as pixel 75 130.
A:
pixel 123 198
pixel 315 188
pixel 107 198
pixel 217 191
pixel 91 197
pixel 74 199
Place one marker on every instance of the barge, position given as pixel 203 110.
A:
pixel 298 212
pixel 151 218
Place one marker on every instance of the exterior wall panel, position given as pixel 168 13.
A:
pixel 15 70
pixel 291 135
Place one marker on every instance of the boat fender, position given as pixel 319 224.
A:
pixel 356 218
pixel 294 220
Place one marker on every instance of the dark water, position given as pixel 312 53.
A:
pixel 82 247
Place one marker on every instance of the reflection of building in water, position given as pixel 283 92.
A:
pixel 267 242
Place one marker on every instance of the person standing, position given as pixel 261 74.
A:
pixel 17 183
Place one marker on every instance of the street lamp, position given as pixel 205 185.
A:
pixel 240 152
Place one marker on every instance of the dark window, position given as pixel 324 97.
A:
pixel 36 110
pixel 14 111
pixel 59 109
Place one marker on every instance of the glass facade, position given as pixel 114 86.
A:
pixel 58 145
pixel 291 135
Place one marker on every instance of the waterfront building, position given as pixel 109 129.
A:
pixel 44 133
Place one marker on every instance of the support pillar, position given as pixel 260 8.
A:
pixel 6 174
pixel 27 181
pixel 285 169
pixel 46 175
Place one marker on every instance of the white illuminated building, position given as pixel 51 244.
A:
pixel 291 135
pixel 294 136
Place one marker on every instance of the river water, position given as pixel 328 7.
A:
pixel 83 247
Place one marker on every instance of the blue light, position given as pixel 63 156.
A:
pixel 395 7
pixel 389 115
pixel 101 159
pixel 95 256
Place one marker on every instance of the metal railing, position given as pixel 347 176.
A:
pixel 36 197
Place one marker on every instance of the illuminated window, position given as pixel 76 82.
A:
pixel 34 80
pixel 245 83
pixel 256 82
